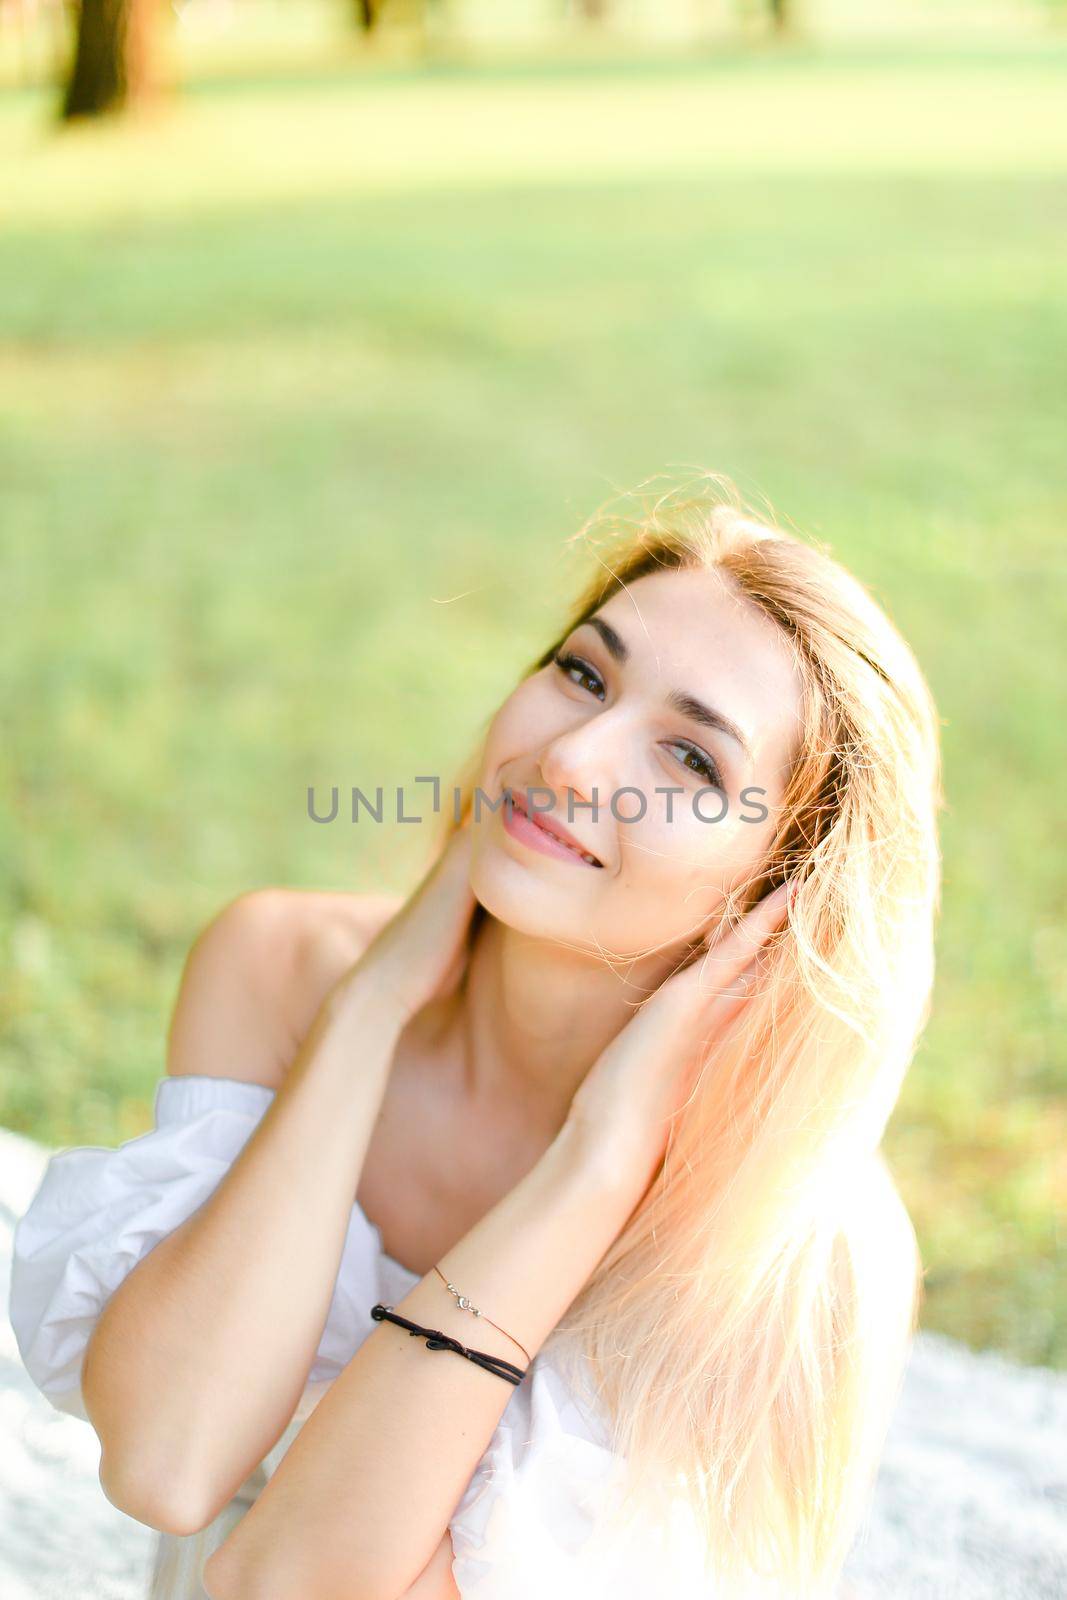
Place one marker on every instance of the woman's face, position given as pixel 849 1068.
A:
pixel 625 714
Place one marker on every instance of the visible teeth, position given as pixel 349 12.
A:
pixel 585 855
pixel 592 860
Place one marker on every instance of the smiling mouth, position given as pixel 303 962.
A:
pixel 583 855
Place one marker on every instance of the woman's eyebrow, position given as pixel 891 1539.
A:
pixel 687 704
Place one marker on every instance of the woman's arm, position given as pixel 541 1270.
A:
pixel 198 1360
pixel 435 1581
pixel 200 1356
pixel 360 1503
pixel 362 1499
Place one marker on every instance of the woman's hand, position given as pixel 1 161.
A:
pixel 622 1112
pixel 422 950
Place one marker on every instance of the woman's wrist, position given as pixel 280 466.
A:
pixel 366 998
pixel 595 1163
pixel 353 1040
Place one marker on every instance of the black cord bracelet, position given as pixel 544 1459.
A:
pixel 436 1340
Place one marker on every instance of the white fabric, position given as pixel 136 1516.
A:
pixel 526 1526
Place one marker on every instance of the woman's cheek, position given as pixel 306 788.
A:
pixel 520 727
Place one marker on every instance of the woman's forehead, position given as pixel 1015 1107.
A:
pixel 696 631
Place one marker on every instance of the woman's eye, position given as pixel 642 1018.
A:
pixel 705 767
pixel 568 664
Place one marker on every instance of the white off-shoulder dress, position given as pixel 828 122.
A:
pixel 527 1525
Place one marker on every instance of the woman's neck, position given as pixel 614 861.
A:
pixel 531 1018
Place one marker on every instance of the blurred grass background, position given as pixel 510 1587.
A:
pixel 306 379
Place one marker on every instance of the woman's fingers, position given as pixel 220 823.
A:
pixel 742 983
pixel 645 1076
pixel 712 988
pixel 424 945
pixel 731 966
pixel 446 896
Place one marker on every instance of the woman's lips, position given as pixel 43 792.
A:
pixel 530 833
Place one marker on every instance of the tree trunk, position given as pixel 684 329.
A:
pixel 367 13
pixel 111 57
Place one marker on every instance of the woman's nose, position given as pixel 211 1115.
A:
pixel 571 765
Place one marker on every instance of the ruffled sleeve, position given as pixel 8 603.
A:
pixel 97 1212
pixel 533 1519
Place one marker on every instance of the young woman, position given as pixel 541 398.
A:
pixel 611 1085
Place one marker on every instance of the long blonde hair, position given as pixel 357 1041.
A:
pixel 746 1333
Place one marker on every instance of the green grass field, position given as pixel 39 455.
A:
pixel 303 387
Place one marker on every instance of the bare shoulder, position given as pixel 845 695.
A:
pixel 333 928
pixel 257 973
